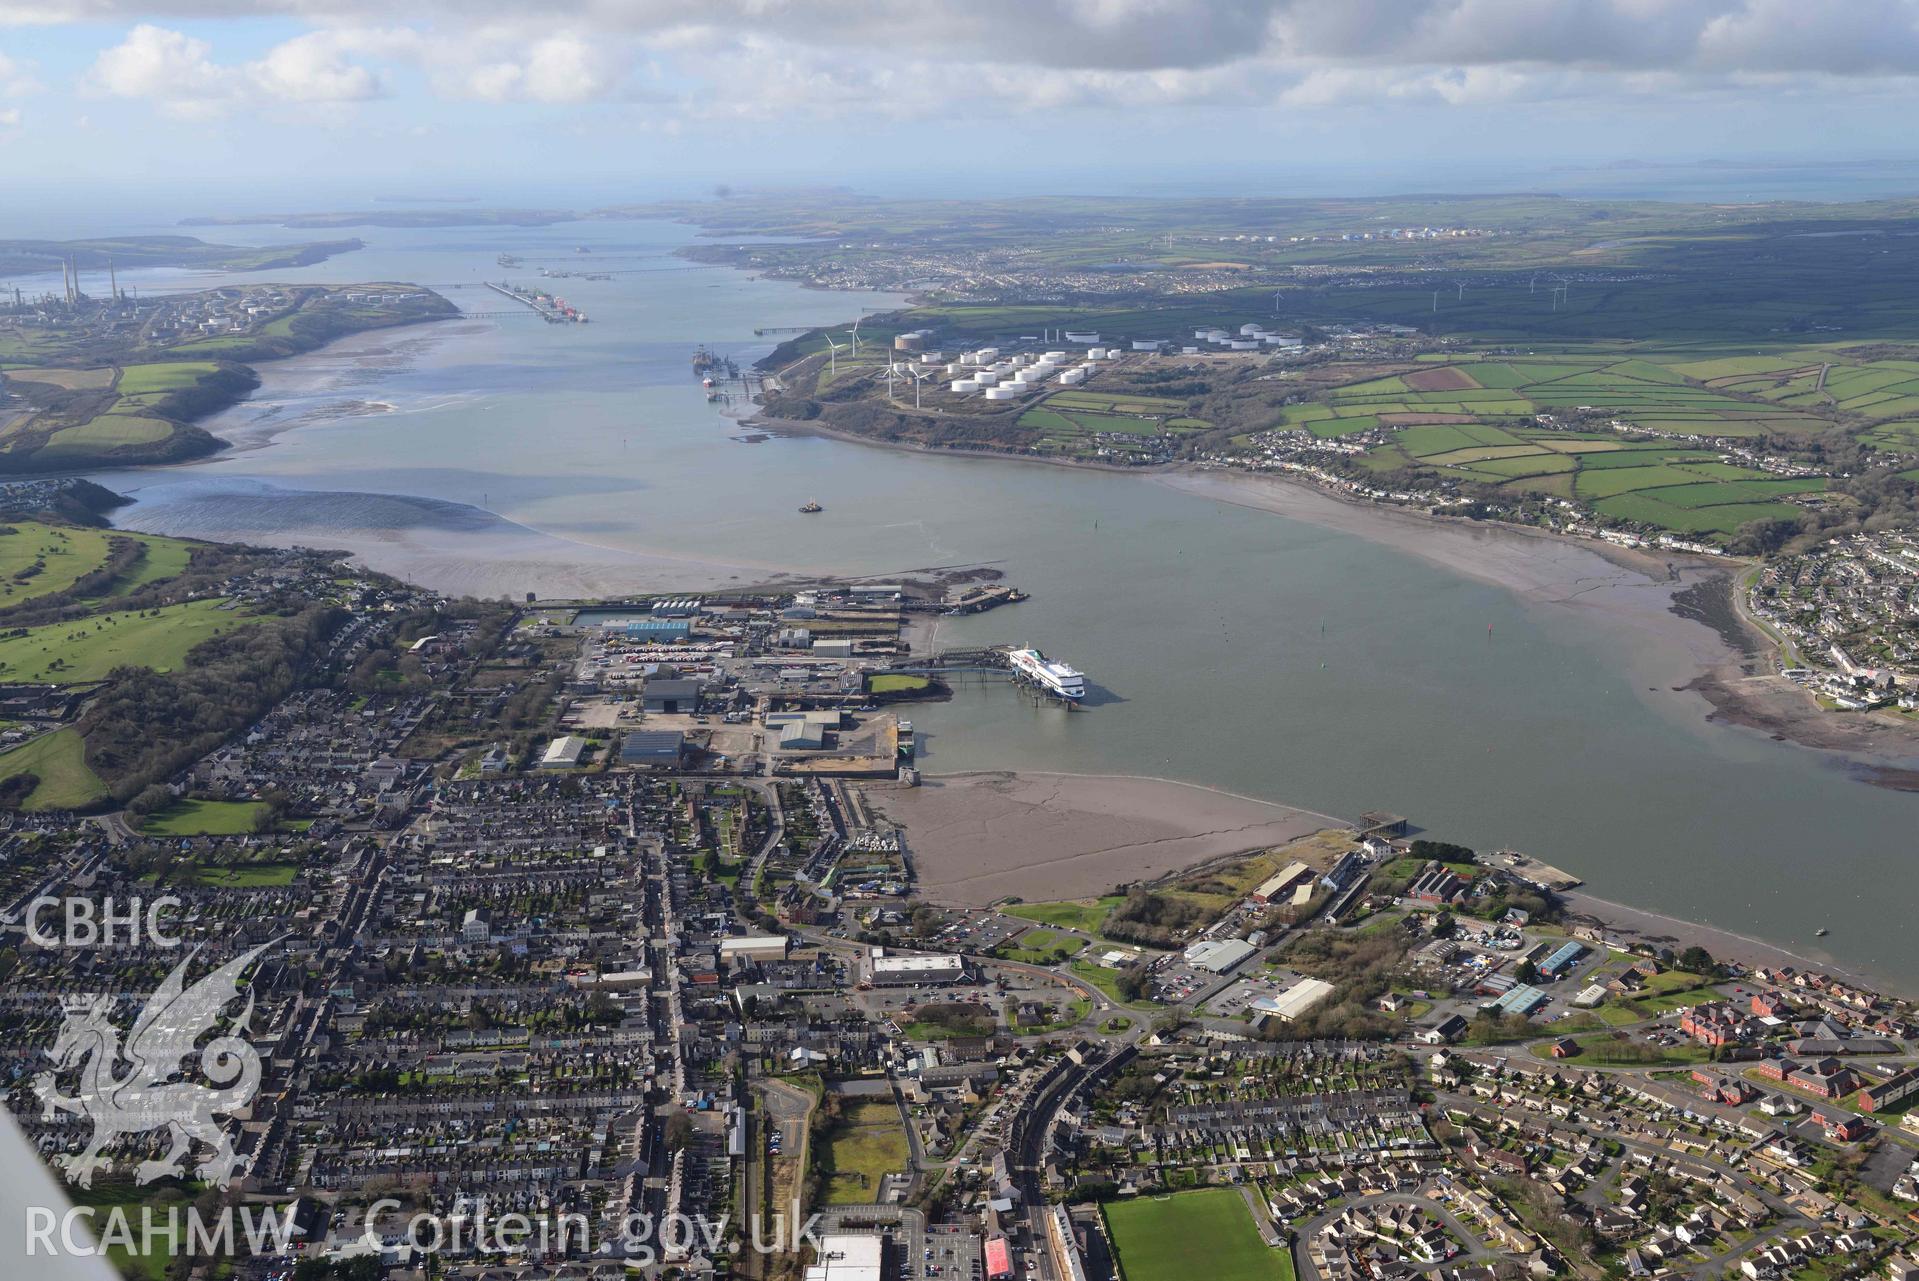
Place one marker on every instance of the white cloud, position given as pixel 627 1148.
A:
pixel 17 78
pixel 179 72
pixel 769 58
pixel 562 68
pixel 168 67
pixel 316 68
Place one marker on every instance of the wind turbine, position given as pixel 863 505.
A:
pixel 833 356
pixel 891 366
pixel 856 335
pixel 919 380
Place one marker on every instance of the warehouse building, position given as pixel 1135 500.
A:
pixel 661 630
pixel 1562 959
pixel 670 696
pixel 564 753
pixel 653 748
pixel 1217 956
pixel 802 731
pixel 1295 1000
pixel 1522 999
pixel 1282 883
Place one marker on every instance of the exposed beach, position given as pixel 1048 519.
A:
pixel 978 838
pixel 454 548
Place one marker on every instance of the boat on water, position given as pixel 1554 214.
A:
pixel 1821 932
pixel 810 507
pixel 1062 680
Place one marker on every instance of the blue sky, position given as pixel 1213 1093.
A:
pixel 575 101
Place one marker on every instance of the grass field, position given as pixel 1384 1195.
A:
pixel 1485 407
pixel 69 379
pixel 78 652
pixel 156 1203
pixel 897 683
pixel 165 558
pixel 188 817
pixel 1107 981
pixel 1040 946
pixel 248 876
pixel 1086 916
pixel 109 431
pixel 1674 485
pixel 165 376
pixel 38 560
pixel 59 760
pixel 1614 1049
pixel 863 1146
pixel 1163 1238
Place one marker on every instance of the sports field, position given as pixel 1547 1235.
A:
pixel 1165 1238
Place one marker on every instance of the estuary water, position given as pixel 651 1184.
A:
pixel 1500 691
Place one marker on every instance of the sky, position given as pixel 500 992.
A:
pixel 574 102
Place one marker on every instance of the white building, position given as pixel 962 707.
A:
pixel 1218 955
pixel 1295 1000
pixel 847 1258
pixel 895 971
pixel 754 947
pixel 564 753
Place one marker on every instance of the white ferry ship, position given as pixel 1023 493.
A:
pixel 1062 680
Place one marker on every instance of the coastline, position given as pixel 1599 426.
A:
pixel 1624 920
pixel 191 442
pixel 972 837
pixel 1615 588
pixel 796 427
